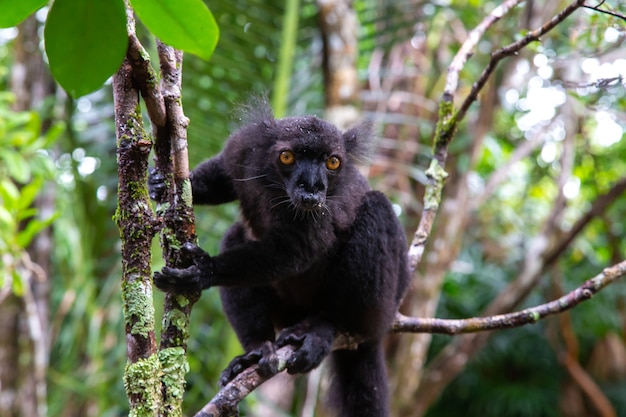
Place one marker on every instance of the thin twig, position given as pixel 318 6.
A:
pixel 609 12
pixel 513 49
pixel 467 49
pixel 516 319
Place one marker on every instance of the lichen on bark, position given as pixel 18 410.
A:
pixel 142 384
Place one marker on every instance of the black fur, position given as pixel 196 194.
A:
pixel 315 253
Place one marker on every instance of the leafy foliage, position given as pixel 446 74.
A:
pixel 502 381
pixel 24 172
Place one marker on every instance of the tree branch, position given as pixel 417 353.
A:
pixel 446 126
pixel 609 12
pixel 516 319
pixel 513 49
pixel 467 49
pixel 451 360
pixel 153 383
pixel 598 207
pixel 225 401
pixel 145 77
pixel 135 220
pixel 172 161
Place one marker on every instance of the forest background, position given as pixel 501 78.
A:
pixel 533 205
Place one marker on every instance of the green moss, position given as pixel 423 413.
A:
pixel 438 175
pixel 534 316
pixel 182 300
pixel 138 190
pixel 179 320
pixel 138 307
pixel 446 123
pixel 186 193
pixel 175 366
pixel 142 382
pixel 134 127
pixel 168 235
pixel 145 56
pixel 117 216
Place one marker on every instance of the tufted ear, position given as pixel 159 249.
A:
pixel 358 141
pixel 256 110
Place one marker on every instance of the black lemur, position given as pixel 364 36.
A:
pixel 316 253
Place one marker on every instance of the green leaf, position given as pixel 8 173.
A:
pixel 26 214
pixel 17 285
pixel 9 194
pixel 54 132
pixel 42 166
pixel 184 24
pixel 7 223
pixel 29 192
pixel 17 166
pixel 13 12
pixel 86 41
pixel 24 237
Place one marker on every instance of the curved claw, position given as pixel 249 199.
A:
pixel 264 356
pixel 313 344
pixel 289 338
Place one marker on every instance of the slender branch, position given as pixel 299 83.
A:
pixel 225 401
pixel 172 160
pixel 135 220
pixel 144 76
pixel 609 12
pixel 147 81
pixel 516 319
pixel 467 49
pixel 598 207
pixel 448 120
pixel 446 127
pixel 513 49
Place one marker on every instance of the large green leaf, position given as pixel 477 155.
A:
pixel 86 41
pixel 184 24
pixel 12 12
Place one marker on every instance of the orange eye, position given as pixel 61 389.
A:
pixel 333 163
pixel 287 158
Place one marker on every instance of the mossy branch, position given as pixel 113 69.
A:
pixel 136 222
pixel 155 382
pixel 449 118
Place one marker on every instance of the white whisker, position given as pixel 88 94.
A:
pixel 250 178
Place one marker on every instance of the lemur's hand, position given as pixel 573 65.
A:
pixel 196 277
